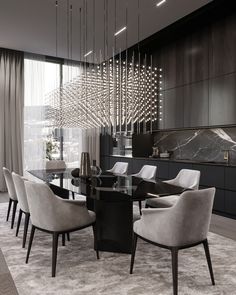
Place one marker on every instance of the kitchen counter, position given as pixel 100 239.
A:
pixel 225 164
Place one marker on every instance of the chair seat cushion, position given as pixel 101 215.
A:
pixel 162 202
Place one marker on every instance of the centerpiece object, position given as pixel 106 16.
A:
pixel 85 168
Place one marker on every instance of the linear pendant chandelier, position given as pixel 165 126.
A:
pixel 121 94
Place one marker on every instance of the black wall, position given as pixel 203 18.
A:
pixel 198 58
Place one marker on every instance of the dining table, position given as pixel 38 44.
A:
pixel 112 198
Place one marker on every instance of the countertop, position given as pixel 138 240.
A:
pixel 225 164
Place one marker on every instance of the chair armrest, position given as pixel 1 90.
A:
pixel 171 181
pixel 75 202
pixel 150 211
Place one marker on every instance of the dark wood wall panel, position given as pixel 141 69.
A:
pixel 196 57
pixel 196 106
pixel 173 108
pixel 199 68
pixel 222 100
pixel 173 63
pixel 223 46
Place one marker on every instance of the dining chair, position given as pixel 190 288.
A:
pixel 56 216
pixel 12 195
pixel 57 165
pixel 184 225
pixel 186 178
pixel 147 172
pixel 23 204
pixel 119 168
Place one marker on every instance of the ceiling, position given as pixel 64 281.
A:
pixel 30 25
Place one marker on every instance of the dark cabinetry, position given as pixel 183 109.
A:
pixel 196 104
pixel 173 108
pixel 211 175
pixel 223 46
pixel 222 100
pixel 196 56
pixel 219 201
pixel 105 144
pixel 230 202
pixel 105 163
pixel 221 177
pixel 175 167
pixel 173 64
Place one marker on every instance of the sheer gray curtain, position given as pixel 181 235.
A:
pixel 11 111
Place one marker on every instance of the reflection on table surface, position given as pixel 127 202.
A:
pixel 131 186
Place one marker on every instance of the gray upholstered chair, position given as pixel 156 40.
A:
pixel 147 172
pixel 56 216
pixel 119 168
pixel 186 178
pixel 184 225
pixel 23 204
pixel 12 195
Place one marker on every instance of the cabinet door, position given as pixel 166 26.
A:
pixel 230 178
pixel 223 47
pixel 105 144
pixel 211 175
pixel 173 56
pixel 162 169
pixel 230 202
pixel 196 104
pixel 104 163
pixel 174 168
pixel 222 100
pixel 196 56
pixel 138 164
pixel 219 201
pixel 173 109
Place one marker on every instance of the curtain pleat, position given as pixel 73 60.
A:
pixel 11 112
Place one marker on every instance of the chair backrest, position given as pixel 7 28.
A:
pixel 188 178
pixel 190 217
pixel 51 212
pixel 20 192
pixel 119 168
pixel 42 203
pixel 147 172
pixel 55 164
pixel 10 185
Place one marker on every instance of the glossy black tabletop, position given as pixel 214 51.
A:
pixel 132 188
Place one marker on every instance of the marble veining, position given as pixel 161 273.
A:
pixel 198 145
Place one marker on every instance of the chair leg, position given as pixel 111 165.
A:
pixel 134 245
pixel 30 243
pixel 27 217
pixel 9 208
pixel 208 257
pixel 18 222
pixel 68 237
pixel 140 207
pixel 95 240
pixel 13 213
pixel 73 195
pixel 54 253
pixel 63 239
pixel 174 254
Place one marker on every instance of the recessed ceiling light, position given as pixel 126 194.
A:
pixel 161 2
pixel 88 53
pixel 120 31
